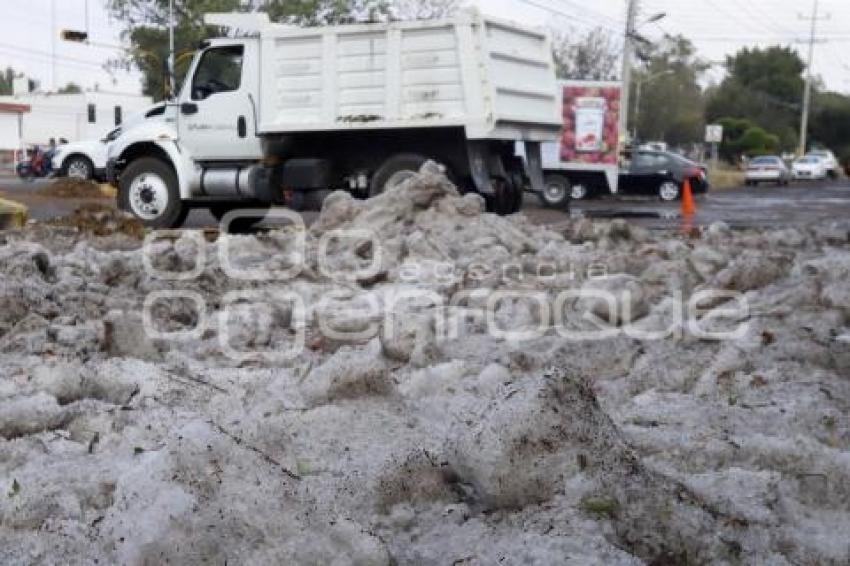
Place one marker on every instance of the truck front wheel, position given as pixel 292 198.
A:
pixel 148 188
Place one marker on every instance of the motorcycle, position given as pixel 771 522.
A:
pixel 37 166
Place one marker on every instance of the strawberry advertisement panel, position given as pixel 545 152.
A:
pixel 591 113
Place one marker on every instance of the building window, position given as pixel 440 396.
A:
pixel 117 115
pixel 92 114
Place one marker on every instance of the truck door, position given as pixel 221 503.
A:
pixel 217 114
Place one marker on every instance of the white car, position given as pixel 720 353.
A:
pixel 767 169
pixel 87 159
pixel 809 167
pixel 83 160
pixel 829 160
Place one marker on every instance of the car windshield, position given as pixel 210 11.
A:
pixel 650 160
pixel 808 160
pixel 681 159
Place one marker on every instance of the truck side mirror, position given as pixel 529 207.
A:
pixel 189 108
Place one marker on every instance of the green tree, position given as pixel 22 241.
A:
pixel 593 56
pixel 146 24
pixel 671 105
pixel 763 86
pixel 743 138
pixel 756 141
pixel 830 121
pixel 7 78
pixel 419 10
pixel 733 131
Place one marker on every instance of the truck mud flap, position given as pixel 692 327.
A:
pixel 500 187
pixel 480 163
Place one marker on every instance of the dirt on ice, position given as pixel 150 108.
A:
pixel 414 381
pixel 67 187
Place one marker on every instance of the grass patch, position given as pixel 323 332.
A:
pixel 600 507
pixel 725 178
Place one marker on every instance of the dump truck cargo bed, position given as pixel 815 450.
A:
pixel 495 79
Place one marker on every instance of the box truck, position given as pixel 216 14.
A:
pixel 586 157
pixel 272 113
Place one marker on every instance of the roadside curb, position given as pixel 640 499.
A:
pixel 12 214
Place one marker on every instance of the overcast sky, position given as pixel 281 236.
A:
pixel 717 27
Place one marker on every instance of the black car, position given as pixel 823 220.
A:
pixel 662 173
pixel 659 173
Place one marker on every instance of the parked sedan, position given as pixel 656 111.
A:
pixel 84 160
pixel 809 167
pixel 767 169
pixel 829 161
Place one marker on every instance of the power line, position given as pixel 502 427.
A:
pixel 570 16
pixel 768 38
pixel 47 55
pixel 761 20
pixel 585 10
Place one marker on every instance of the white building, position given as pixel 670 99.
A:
pixel 75 117
pixel 11 132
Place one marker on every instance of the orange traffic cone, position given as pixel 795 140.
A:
pixel 688 206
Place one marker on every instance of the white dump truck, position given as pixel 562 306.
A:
pixel 272 113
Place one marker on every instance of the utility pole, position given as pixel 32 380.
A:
pixel 628 55
pixel 636 112
pixel 171 80
pixel 807 93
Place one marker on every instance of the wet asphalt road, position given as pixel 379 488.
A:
pixel 797 204
pixel 744 207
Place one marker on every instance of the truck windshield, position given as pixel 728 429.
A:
pixel 220 70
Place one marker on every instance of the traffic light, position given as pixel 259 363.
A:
pixel 74 35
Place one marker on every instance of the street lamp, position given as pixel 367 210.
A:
pixel 632 27
pixel 638 90
pixel 77 36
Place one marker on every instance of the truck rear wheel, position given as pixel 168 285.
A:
pixel 148 188
pixel 506 198
pixel 394 171
pixel 556 192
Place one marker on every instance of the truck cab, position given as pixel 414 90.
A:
pixel 217 112
pixel 200 150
